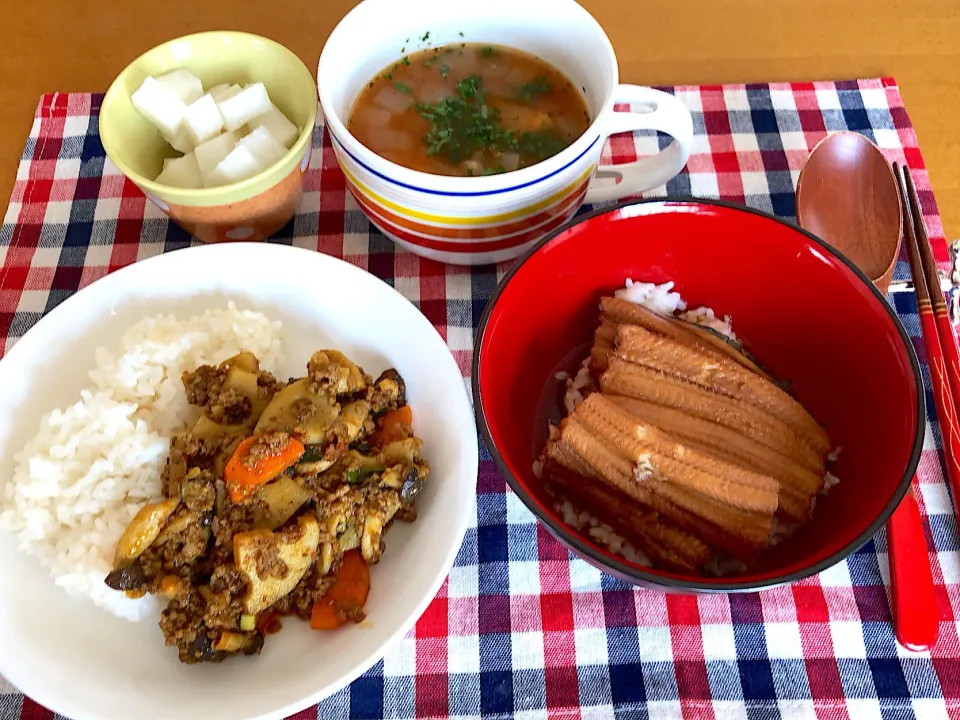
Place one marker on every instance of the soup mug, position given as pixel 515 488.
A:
pixel 479 220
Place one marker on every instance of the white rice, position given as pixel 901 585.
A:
pixel 658 298
pixel 578 387
pixel 82 477
pixel 705 317
pixel 601 533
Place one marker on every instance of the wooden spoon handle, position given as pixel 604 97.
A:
pixel 916 615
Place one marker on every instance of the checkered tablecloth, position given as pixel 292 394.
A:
pixel 521 629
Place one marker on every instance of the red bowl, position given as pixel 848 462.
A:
pixel 804 311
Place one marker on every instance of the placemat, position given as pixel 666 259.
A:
pixel 522 629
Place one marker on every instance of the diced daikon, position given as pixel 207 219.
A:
pixel 161 107
pixel 239 165
pixel 392 100
pixel 224 92
pixel 202 120
pixel 181 172
pixel 182 83
pixel 180 140
pixel 211 153
pixel 283 131
pixel 263 146
pixel 244 106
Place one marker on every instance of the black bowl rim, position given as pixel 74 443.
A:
pixel 650 579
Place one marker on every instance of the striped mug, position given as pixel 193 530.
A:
pixel 480 220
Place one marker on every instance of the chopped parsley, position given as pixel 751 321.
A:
pixel 406 61
pixel 426 36
pixel 388 76
pixel 461 34
pixel 530 90
pixel 444 70
pixel 487 51
pixel 403 88
pixel 537 146
pixel 463 125
pixel 469 87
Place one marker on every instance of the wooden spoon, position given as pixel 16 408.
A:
pixel 848 196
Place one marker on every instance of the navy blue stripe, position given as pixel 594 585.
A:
pixel 383 177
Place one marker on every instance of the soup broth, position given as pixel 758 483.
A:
pixel 468 109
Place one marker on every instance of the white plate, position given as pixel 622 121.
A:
pixel 84 663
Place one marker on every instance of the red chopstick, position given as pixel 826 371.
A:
pixel 938 338
pixel 915 609
pixel 945 331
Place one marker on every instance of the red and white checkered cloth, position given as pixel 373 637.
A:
pixel 521 629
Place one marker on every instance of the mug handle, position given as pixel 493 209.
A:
pixel 664 113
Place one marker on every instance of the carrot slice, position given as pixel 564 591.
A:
pixel 243 479
pixel 392 425
pixel 347 594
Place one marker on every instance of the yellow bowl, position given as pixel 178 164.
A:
pixel 251 209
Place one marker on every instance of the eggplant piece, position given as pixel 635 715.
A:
pixel 392 388
pixel 249 643
pixel 274 562
pixel 297 407
pixel 143 530
pixel 412 485
pixel 283 497
pixel 202 650
pixel 128 577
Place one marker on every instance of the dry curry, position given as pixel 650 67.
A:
pixel 275 503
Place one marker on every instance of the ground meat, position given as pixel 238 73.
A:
pixel 268 562
pixel 267 384
pixel 266 445
pixel 184 541
pixel 229 407
pixel 406 514
pixel 236 517
pixel 198 492
pixel 186 451
pixel 332 373
pixel 336 445
pixel 203 384
pixel 302 409
pixel 227 588
pixel 151 562
pixel 183 627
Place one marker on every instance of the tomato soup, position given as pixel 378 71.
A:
pixel 467 110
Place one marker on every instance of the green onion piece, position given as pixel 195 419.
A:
pixel 360 474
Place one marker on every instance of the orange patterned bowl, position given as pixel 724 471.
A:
pixel 252 209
